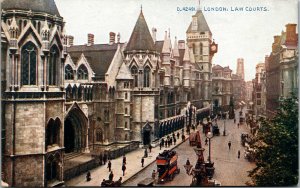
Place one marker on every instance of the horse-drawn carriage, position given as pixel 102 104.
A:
pixel 109 183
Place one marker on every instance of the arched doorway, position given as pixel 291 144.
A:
pixel 75 131
pixel 147 134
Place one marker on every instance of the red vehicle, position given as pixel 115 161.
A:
pixel 167 166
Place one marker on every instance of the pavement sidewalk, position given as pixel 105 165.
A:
pixel 133 166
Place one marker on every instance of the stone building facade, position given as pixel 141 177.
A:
pixel 259 90
pixel 222 87
pixel 61 99
pixel 282 68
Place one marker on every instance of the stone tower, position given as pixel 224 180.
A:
pixel 33 53
pixel 142 60
pixel 240 68
pixel 199 41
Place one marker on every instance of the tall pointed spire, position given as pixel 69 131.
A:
pixel 175 49
pixel 140 38
pixel 167 46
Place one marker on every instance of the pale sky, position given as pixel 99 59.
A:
pixel 243 34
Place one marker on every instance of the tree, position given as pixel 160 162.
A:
pixel 276 146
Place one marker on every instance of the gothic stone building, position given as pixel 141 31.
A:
pixel 60 99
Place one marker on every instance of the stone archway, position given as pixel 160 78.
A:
pixel 147 134
pixel 75 132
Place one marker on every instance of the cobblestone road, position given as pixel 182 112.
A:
pixel 229 170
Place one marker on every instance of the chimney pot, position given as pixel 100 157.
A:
pixel 90 39
pixel 112 37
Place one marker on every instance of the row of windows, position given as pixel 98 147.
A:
pixel 134 73
pixel 82 73
pixel 29 65
pixel 80 93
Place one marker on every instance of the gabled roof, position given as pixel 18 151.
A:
pixel 99 56
pixel 124 73
pixel 202 24
pixel 140 38
pixel 159 45
pixel 46 6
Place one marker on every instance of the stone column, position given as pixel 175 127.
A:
pixel 86 149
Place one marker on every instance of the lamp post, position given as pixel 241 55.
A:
pixel 209 136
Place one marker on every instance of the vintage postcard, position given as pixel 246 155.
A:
pixel 149 93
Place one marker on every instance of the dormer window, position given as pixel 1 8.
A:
pixel 82 73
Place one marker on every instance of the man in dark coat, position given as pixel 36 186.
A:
pixel 109 166
pixel 150 147
pixel 124 159
pixel 123 169
pixel 111 176
pixel 142 161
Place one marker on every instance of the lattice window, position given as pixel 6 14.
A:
pixel 147 77
pixel 28 64
pixel 53 65
pixel 69 73
pixel 82 73
pixel 134 73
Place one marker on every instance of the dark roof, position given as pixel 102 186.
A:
pixel 99 56
pixel 47 6
pixel 202 24
pixel 140 38
pixel 159 45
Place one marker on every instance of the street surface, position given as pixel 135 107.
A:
pixel 229 170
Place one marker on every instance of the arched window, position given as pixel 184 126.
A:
pixel 53 65
pixel 52 133
pixel 28 64
pixel 82 73
pixel 69 73
pixel 201 48
pixel 126 110
pixel 125 124
pixel 126 95
pixel 194 49
pixel 99 136
pixel 134 73
pixel 147 77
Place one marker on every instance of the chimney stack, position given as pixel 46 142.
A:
pixel 118 37
pixel 181 44
pixel 291 36
pixel 112 37
pixel 90 39
pixel 70 40
pixel 154 30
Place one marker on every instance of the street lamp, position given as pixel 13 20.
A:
pixel 209 136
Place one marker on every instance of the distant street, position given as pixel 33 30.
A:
pixel 229 170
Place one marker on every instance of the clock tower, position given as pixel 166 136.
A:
pixel 199 41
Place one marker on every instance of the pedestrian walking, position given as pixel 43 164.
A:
pixel 150 147
pixel 178 135
pixel 104 159
pixel 142 161
pixel 145 153
pixel 173 135
pixel 229 144
pixel 234 120
pixel 111 176
pixel 109 166
pixel 124 159
pixel 153 174
pixel 206 140
pixel 123 169
pixel 238 125
pixel 166 143
pixel 239 154
pixel 160 145
pixel 174 141
pixel 88 176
